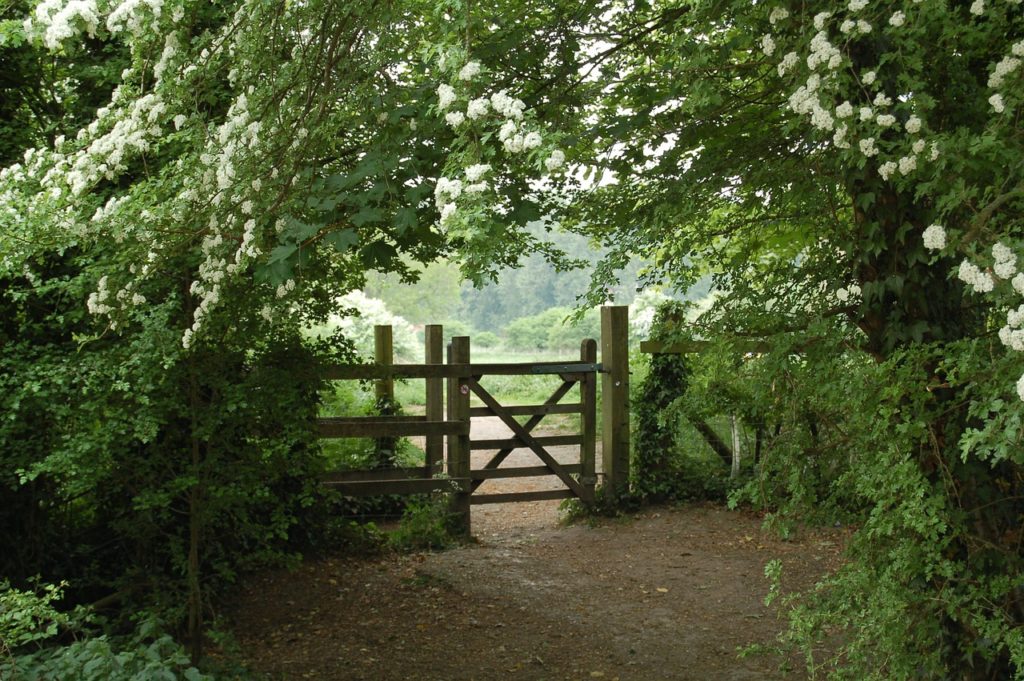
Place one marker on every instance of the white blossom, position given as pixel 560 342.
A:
pixel 897 19
pixel 788 62
pixel 767 45
pixel 887 169
pixel 907 164
pixel 867 147
pixel 555 160
pixel 475 172
pixel 455 118
pixel 445 96
pixel 934 237
pixel 778 14
pixel 508 129
pixel 478 108
pixel 913 125
pixel 1018 283
pixel 996 101
pixel 469 71
pixel 1004 67
pixel 844 110
pixel 978 7
pixel 980 281
pixel 868 78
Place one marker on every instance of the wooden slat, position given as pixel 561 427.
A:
pixel 516 443
pixel 379 474
pixel 412 486
pixel 521 496
pixel 342 372
pixel 531 409
pixel 533 368
pixel 520 472
pixel 381 427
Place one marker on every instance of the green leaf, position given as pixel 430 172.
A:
pixel 282 252
pixel 404 220
pixel 342 239
pixel 367 214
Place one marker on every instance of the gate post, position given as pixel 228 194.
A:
pixel 434 354
pixel 384 391
pixel 588 403
pixel 458 445
pixel 615 399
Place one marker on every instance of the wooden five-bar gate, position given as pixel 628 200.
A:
pixel 449 468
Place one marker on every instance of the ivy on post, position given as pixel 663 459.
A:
pixel 615 399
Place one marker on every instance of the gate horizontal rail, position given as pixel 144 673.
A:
pixel 346 372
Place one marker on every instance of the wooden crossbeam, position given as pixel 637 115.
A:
pixel 531 409
pixel 520 472
pixel 364 488
pixel 516 443
pixel 530 424
pixel 344 372
pixel 524 435
pixel 521 496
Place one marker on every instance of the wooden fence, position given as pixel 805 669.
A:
pixel 463 379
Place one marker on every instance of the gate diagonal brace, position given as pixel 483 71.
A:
pixel 530 424
pixel 526 438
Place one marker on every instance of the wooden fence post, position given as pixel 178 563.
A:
pixel 384 391
pixel 615 399
pixel 434 354
pixel 588 425
pixel 458 445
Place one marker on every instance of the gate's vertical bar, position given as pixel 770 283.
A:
pixel 434 354
pixel 615 399
pixel 588 420
pixel 384 391
pixel 458 445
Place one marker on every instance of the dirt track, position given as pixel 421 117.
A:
pixel 669 594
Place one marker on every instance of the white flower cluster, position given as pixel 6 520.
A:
pixel 815 96
pixel 1003 68
pixel 978 279
pixel 498 109
pixel 57 20
pixel 934 237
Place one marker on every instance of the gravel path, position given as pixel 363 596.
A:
pixel 669 594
